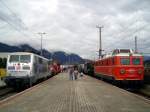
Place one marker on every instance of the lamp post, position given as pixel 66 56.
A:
pixel 41 34
pixel 100 40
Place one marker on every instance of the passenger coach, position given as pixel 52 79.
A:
pixel 24 69
pixel 123 65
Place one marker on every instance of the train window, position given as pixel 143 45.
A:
pixel 95 63
pixel 124 50
pixel 136 61
pixel 35 59
pixel 113 61
pixel 3 62
pixel 107 62
pixel 125 61
pixel 25 58
pixel 40 60
pixel 102 63
pixel 14 58
pixel 147 64
pixel 98 63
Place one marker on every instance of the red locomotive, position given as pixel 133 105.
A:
pixel 123 65
pixel 54 68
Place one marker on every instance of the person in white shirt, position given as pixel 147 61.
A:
pixel 75 73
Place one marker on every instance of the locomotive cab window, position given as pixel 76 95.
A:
pixel 14 58
pixel 147 63
pixel 25 58
pixel 113 61
pixel 136 61
pixel 125 61
pixel 40 60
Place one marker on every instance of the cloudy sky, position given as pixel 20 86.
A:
pixel 70 25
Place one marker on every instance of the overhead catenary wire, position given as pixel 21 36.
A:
pixel 19 26
pixel 128 36
pixel 16 17
pixel 12 25
pixel 14 14
pixel 125 35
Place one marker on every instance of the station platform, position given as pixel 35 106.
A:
pixel 59 94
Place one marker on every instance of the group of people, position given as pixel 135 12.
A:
pixel 73 73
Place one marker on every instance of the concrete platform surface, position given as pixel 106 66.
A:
pixel 86 94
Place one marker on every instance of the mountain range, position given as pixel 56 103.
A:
pixel 61 56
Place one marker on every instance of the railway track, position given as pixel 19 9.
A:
pixel 144 91
pixel 6 92
pixel 139 91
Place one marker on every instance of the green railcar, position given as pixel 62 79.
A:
pixel 89 68
pixel 3 62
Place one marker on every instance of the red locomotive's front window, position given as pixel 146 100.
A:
pixel 136 61
pixel 125 61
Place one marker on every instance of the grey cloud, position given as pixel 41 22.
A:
pixel 72 25
pixel 135 5
pixel 11 19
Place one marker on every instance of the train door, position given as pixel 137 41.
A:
pixel 35 65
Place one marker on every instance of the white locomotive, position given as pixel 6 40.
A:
pixel 24 69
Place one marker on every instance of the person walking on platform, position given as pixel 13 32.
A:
pixel 75 74
pixel 71 73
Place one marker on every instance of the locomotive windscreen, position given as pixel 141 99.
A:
pixel 20 58
pixel 125 61
pixel 14 58
pixel 25 58
pixel 124 50
pixel 136 61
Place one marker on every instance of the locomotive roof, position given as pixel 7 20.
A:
pixel 128 54
pixel 120 54
pixel 124 52
pixel 22 53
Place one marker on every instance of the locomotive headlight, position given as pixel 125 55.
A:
pixel 122 71
pixel 140 71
